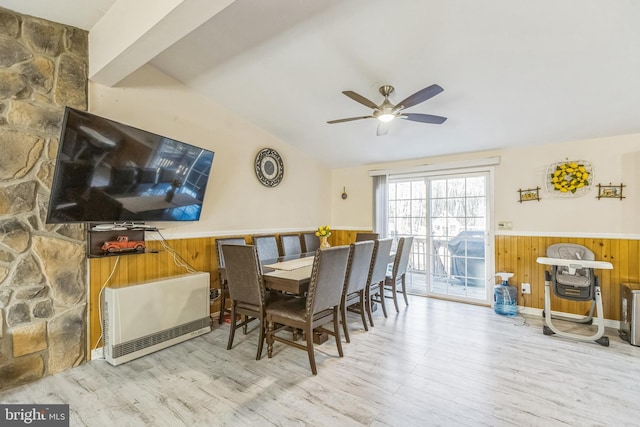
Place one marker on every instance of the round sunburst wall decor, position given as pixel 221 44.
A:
pixel 269 167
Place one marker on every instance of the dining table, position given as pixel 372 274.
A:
pixel 290 274
pixel 292 279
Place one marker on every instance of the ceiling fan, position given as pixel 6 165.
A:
pixel 386 112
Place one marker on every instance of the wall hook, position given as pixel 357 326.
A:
pixel 344 193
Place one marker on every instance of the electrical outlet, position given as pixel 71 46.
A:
pixel 214 293
pixel 525 288
pixel 97 353
pixel 505 225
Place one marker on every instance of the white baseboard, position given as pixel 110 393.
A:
pixel 615 324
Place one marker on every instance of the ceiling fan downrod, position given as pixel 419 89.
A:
pixel 386 90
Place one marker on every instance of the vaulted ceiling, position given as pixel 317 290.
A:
pixel 514 72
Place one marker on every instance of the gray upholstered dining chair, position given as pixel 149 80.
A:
pixel 355 283
pixel 246 290
pixel 399 272
pixel 224 289
pixel 311 241
pixel 267 247
pixel 320 307
pixel 377 274
pixel 363 237
pixel 290 244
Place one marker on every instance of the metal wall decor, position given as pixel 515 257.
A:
pixel 610 191
pixel 269 167
pixel 529 194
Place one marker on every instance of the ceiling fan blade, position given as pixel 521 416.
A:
pixel 423 118
pixel 350 119
pixel 418 97
pixel 361 99
pixel 383 128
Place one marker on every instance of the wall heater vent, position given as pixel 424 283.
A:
pixel 147 317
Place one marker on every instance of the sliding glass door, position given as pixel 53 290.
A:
pixel 458 237
pixel 448 215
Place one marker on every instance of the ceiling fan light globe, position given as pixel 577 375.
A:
pixel 386 117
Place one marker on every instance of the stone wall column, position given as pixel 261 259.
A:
pixel 43 277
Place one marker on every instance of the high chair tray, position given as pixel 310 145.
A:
pixel 575 263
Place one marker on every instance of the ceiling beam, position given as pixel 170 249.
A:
pixel 130 34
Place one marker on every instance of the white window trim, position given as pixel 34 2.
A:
pixel 479 165
pixel 465 164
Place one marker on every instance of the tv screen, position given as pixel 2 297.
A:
pixel 111 172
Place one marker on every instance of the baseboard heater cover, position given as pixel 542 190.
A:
pixel 143 318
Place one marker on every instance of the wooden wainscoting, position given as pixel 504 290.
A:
pixel 517 254
pixel 199 253
pixel 344 237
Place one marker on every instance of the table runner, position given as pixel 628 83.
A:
pixel 293 264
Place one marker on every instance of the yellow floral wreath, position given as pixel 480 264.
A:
pixel 568 177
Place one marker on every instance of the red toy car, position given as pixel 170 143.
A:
pixel 123 244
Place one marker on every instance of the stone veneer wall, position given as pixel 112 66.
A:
pixel 43 286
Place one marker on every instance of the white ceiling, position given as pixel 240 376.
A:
pixel 82 14
pixel 514 72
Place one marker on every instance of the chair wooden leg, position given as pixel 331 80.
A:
pixel 394 295
pixel 362 309
pixel 382 303
pixel 261 337
pixel 223 301
pixel 270 340
pixel 232 328
pixel 244 319
pixel 343 311
pixel 368 303
pixel 310 352
pixel 336 330
pixel 404 291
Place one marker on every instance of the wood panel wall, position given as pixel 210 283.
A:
pixel 516 254
pixel 199 253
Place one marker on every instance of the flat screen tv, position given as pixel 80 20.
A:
pixel 111 172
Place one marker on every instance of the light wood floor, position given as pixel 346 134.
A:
pixel 435 363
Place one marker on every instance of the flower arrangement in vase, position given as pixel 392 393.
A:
pixel 323 232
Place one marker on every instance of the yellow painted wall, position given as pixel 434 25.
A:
pixel 235 202
pixel 615 160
